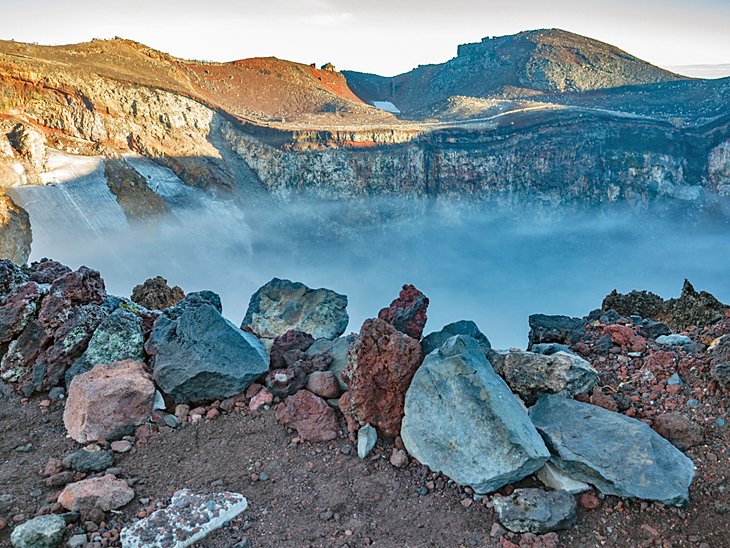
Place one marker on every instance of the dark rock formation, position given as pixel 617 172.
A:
pixel 289 347
pixel 155 294
pixel 555 329
pixel 15 231
pixel 407 313
pixel 434 340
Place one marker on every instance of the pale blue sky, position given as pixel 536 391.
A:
pixel 382 36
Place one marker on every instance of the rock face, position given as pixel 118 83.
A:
pixel 309 415
pixel 536 511
pixel 282 305
pixel 529 375
pixel 407 313
pixel 155 294
pixel 555 329
pixel 586 440
pixel 434 340
pixel 104 493
pixel 462 419
pixel 15 232
pixel 381 364
pixel 200 356
pixel 188 519
pixel 108 401
pixel 41 532
pixel 119 337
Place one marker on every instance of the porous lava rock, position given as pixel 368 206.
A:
pixel 309 415
pixel 678 429
pixel 536 510
pixel 407 313
pixel 155 294
pixel 288 348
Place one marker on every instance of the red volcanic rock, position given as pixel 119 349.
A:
pixel 261 398
pixel 324 384
pixel 380 367
pixel 105 493
pixel 84 286
pixel 589 501
pixel 624 336
pixel 310 415
pixel 17 310
pixel 602 400
pixel 344 403
pixel 47 272
pixel 285 382
pixel 408 312
pixel 660 361
pixel 679 430
pixel 108 401
pixel 292 341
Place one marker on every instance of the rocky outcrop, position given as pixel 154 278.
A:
pixel 433 341
pixel 15 231
pixel 461 419
pixel 155 294
pixel 407 313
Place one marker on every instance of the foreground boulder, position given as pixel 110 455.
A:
pixel 436 339
pixel 108 402
pixel 407 313
pixel 104 493
pixel 282 305
pixel 529 374
pixel 41 532
pixel 536 510
pixel 555 329
pixel 381 364
pixel 619 455
pixel 309 415
pixel 678 429
pixel 462 419
pixel 200 356
pixel 155 294
pixel 188 519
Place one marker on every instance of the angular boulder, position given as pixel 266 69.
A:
pixel 283 305
pixel 529 374
pixel 200 356
pixel 288 348
pixel 47 271
pixel 119 337
pixel 555 329
pixel 17 310
pixel 155 294
pixel 309 415
pixel 108 402
pixel 338 350
pixel 381 364
pixel 619 455
pixel 11 276
pixel 407 313
pixel 536 510
pixel 462 419
pixel 41 532
pixel 81 287
pixel 435 340
pixel 104 493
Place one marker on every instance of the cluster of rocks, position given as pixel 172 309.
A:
pixel 483 418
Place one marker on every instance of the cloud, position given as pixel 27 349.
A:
pixel 328 19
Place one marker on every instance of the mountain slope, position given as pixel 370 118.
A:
pixel 528 63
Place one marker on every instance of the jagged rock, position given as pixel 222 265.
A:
pixel 338 350
pixel 434 340
pixel 108 401
pixel 407 313
pixel 104 493
pixel 625 337
pixel 536 511
pixel 529 374
pixel 188 519
pixel 155 294
pixel 678 429
pixel 309 415
pixel 651 329
pixel 462 419
pixel 11 276
pixel 200 356
pixel 119 337
pixel 586 440
pixel 291 345
pixel 691 308
pixel 381 364
pixel 47 272
pixel 324 384
pixel 282 305
pixel 555 329
pixel 15 230
pixel 85 460
pixel 81 287
pixel 286 382
pixel 367 437
pixel 636 303
pixel 18 309
pixel 41 532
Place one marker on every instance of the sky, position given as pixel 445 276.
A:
pixel 386 37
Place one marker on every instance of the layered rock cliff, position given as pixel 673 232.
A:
pixel 15 232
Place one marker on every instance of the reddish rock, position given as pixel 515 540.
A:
pixel 108 401
pixel 323 384
pixel 407 313
pixel 344 404
pixel 18 310
pixel 589 501
pixel 60 479
pixel 104 493
pixel 47 272
pixel 155 294
pixel 285 382
pixel 625 337
pixel 380 367
pixel 84 286
pixel 602 400
pixel 261 398
pixel 310 415
pixel 53 466
pixel 292 342
pixel 660 361
pixel 679 430
pixel 399 458
pixel 121 446
pixel 252 390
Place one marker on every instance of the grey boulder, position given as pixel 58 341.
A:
pixel 435 340
pixel 41 532
pixel 619 455
pixel 199 356
pixel 529 374
pixel 536 511
pixel 462 419
pixel 338 349
pixel 555 329
pixel 283 305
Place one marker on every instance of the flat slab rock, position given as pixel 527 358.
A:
pixel 189 518
pixel 536 511
pixel 619 455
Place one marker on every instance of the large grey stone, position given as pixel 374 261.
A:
pixel 529 374
pixel 434 340
pixel 200 356
pixel 555 329
pixel 536 511
pixel 119 337
pixel 338 349
pixel 41 532
pixel 619 455
pixel 462 419
pixel 282 305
